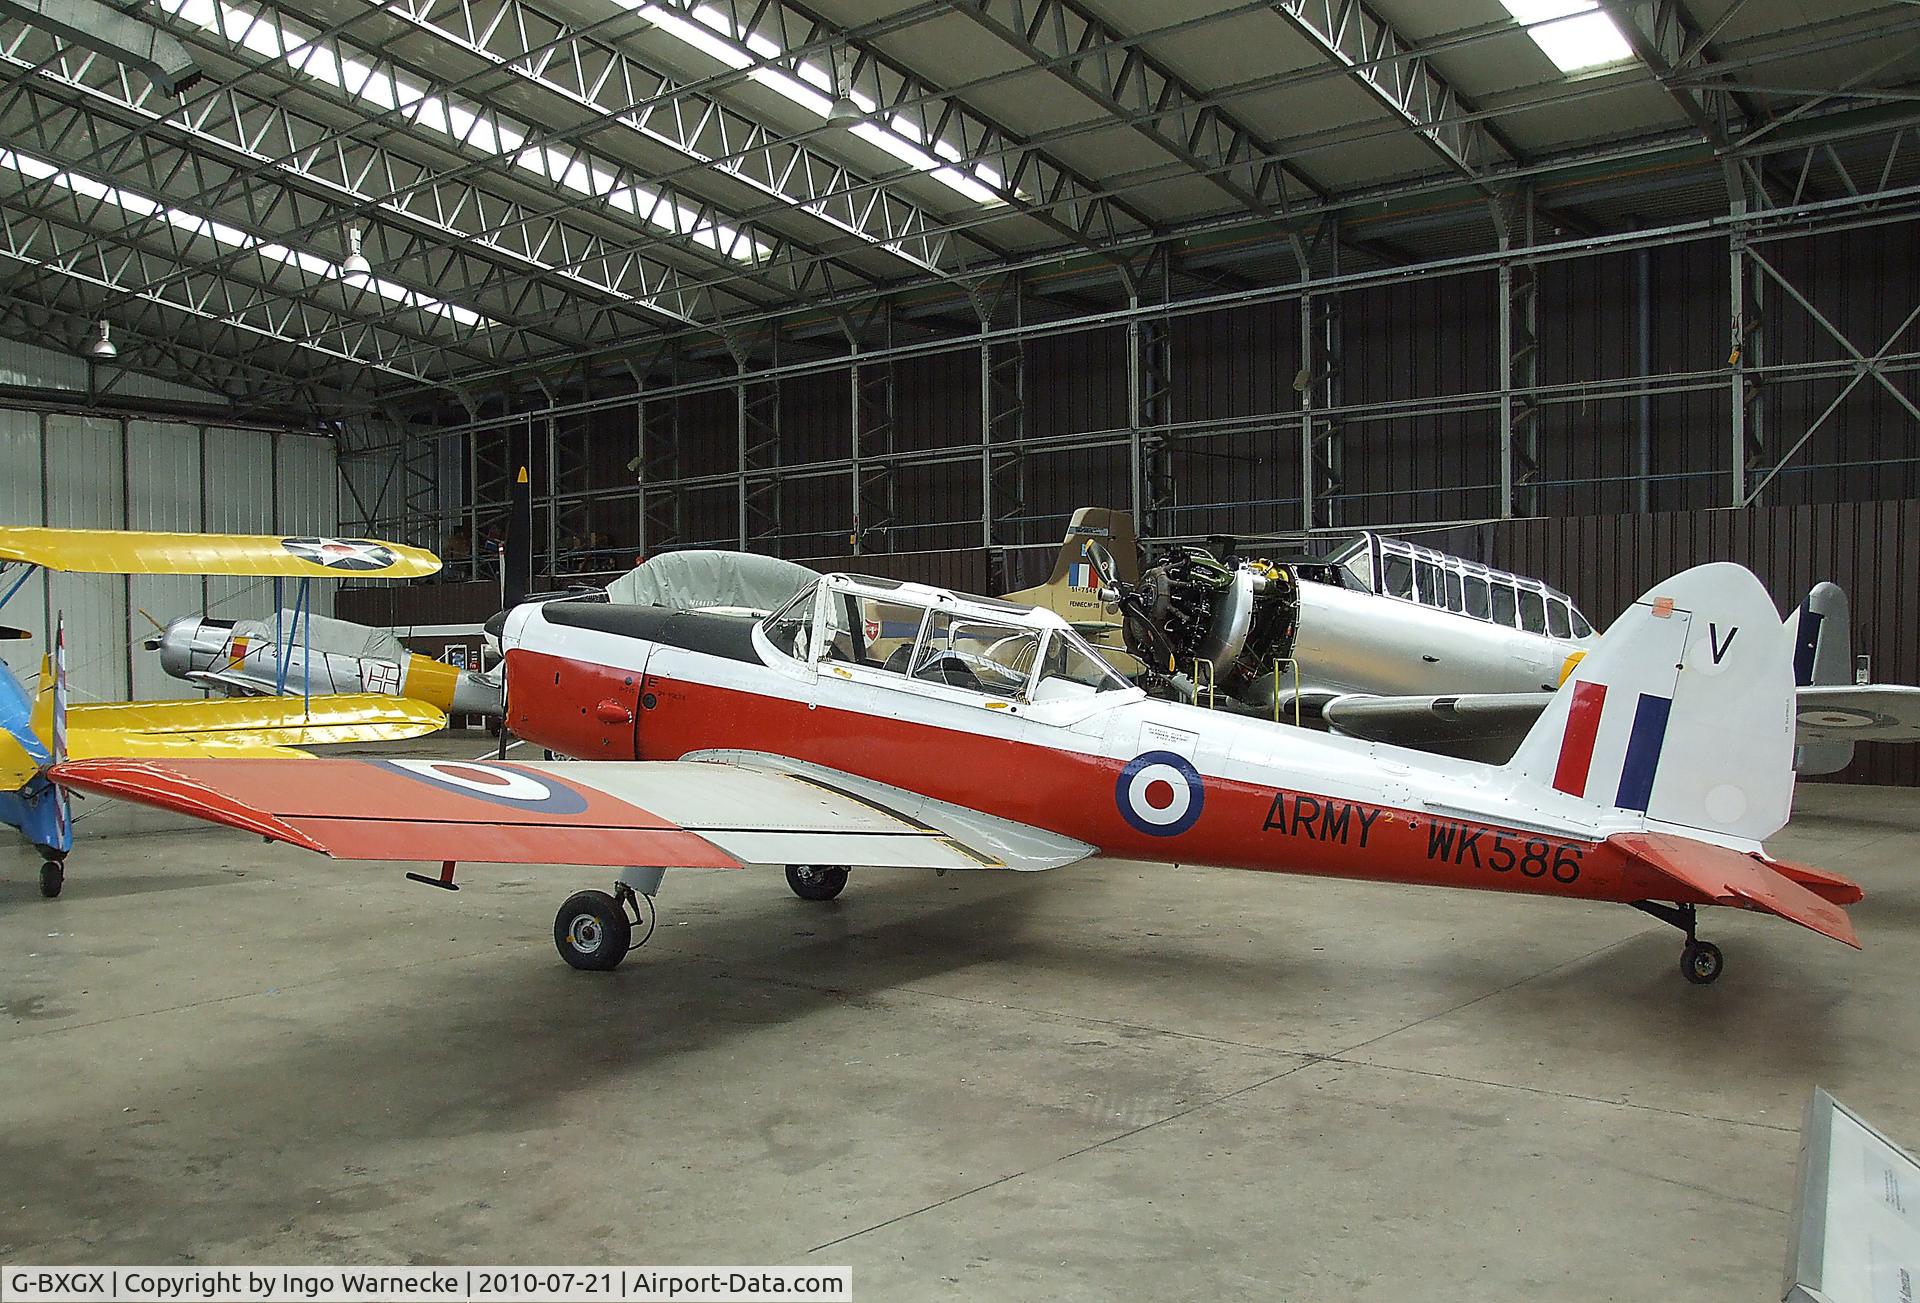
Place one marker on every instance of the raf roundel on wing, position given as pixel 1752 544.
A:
pixel 501 784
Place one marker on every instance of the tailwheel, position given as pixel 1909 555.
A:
pixel 592 931
pixel 816 881
pixel 1701 962
pixel 53 876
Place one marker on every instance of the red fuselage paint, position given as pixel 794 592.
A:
pixel 1242 825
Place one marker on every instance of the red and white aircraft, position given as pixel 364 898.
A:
pixel 870 723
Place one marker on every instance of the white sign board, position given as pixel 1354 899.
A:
pixel 1856 1226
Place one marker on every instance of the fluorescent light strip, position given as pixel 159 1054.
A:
pixel 349 195
pixel 139 205
pixel 464 122
pixel 716 36
pixel 1572 33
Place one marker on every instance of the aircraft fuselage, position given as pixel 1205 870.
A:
pixel 1138 777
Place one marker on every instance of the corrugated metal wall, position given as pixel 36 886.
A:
pixel 95 472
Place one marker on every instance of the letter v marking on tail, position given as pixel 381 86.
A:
pixel 1720 649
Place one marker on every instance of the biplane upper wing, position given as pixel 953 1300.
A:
pixel 137 552
pixel 676 814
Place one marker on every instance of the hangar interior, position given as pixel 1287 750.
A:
pixel 1587 291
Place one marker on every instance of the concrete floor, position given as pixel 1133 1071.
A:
pixel 1112 1080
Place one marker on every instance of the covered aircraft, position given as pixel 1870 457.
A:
pixel 872 723
pixel 39 731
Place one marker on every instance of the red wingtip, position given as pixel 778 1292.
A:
pixel 149 783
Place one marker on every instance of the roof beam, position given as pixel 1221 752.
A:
pixel 1403 79
pixel 1082 50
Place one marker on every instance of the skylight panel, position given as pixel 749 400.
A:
pixel 465 122
pixel 813 90
pixel 1575 34
pixel 139 205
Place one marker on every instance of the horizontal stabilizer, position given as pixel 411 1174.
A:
pixel 1727 877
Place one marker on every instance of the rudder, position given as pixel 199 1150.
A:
pixel 1683 713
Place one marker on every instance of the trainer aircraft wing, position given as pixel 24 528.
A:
pixel 136 552
pixel 1825 712
pixel 1496 717
pixel 1859 712
pixel 676 814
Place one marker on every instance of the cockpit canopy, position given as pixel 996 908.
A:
pixel 928 635
pixel 1393 567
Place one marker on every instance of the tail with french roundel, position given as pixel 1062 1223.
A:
pixel 1682 714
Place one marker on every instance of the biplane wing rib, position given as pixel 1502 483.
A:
pixel 1727 877
pixel 665 813
pixel 139 552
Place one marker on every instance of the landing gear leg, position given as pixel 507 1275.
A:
pixel 1701 962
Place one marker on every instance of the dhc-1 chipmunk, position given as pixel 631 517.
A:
pixel 868 723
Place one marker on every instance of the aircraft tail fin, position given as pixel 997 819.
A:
pixel 1683 712
pixel 1072 586
pixel 1823 654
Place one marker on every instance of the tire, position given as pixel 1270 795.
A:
pixel 53 876
pixel 816 881
pixel 1701 962
pixel 591 932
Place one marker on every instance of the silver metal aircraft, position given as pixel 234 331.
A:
pixel 1394 642
pixel 296 648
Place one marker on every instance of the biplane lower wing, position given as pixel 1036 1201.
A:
pixel 676 814
pixel 238 726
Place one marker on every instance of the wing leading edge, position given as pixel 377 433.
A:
pixel 675 814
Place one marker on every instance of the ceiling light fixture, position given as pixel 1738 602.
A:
pixel 846 110
pixel 100 346
pixel 355 267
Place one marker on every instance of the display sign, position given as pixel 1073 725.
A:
pixel 1856 1224
pixel 455 654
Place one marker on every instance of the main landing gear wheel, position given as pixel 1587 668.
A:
pixel 592 931
pixel 816 881
pixel 1700 962
pixel 53 876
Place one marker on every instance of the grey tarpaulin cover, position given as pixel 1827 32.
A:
pixel 710 577
pixel 342 637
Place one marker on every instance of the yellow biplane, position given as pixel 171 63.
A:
pixel 38 731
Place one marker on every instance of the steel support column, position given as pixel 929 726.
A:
pixel 1003 415
pixel 757 413
pixel 1156 490
pixel 1519 324
pixel 870 397
pixel 662 513
pixel 1322 455
pixel 1745 360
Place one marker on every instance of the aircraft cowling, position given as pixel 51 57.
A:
pixel 573 708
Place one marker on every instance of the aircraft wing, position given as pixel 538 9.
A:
pixel 138 552
pixel 241 726
pixel 1827 712
pixel 1864 712
pixel 1726 877
pixel 674 814
pixel 1428 722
